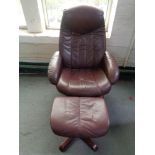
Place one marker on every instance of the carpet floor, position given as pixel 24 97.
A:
pixel 36 138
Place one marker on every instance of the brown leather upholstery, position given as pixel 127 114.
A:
pixel 79 117
pixel 55 67
pixel 83 82
pixel 83 67
pixel 82 37
pixel 82 19
pixel 110 67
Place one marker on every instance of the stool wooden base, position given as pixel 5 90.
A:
pixel 67 142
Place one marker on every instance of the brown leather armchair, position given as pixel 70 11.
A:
pixel 82 67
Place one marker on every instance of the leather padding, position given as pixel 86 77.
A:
pixel 82 51
pixel 82 40
pixel 82 19
pixel 83 82
pixel 82 117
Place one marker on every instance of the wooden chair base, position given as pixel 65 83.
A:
pixel 90 143
pixel 67 142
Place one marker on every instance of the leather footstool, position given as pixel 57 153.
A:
pixel 79 117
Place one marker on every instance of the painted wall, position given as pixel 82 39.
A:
pixel 123 32
pixel 119 44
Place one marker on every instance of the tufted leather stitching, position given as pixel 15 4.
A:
pixel 79 46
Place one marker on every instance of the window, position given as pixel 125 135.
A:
pixel 54 9
pixel 42 18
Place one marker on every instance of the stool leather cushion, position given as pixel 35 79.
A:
pixel 79 117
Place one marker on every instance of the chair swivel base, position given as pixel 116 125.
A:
pixel 67 142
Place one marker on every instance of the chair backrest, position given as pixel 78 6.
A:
pixel 82 37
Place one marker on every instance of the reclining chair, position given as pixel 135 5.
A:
pixel 84 71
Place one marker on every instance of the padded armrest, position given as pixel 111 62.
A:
pixel 110 67
pixel 55 67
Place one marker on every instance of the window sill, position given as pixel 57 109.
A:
pixel 48 36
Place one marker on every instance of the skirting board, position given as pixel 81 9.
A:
pixel 127 73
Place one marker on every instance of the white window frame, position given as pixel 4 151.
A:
pixel 33 13
pixel 36 22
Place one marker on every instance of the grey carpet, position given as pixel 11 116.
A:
pixel 36 137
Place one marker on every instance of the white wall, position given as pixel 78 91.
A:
pixel 119 44
pixel 123 31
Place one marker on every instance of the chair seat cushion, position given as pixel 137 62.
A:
pixel 79 117
pixel 83 82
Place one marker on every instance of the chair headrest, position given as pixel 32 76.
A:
pixel 82 19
